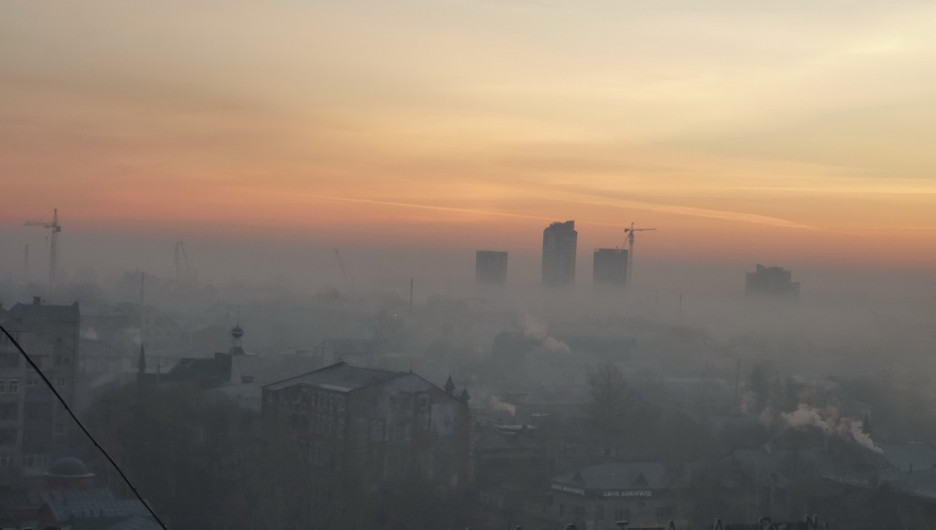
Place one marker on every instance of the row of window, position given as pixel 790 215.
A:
pixel 9 386
pixel 9 461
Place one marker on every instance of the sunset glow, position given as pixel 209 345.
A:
pixel 738 129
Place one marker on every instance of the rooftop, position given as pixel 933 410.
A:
pixel 38 310
pixel 618 476
pixel 339 377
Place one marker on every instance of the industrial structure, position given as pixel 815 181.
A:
pixel 610 267
pixel 55 228
pixel 772 281
pixel 630 248
pixel 560 241
pixel 491 267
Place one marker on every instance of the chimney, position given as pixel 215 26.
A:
pixel 37 300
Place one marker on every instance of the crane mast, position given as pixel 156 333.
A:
pixel 55 228
pixel 630 248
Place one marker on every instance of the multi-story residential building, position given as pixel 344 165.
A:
pixel 491 267
pixel 33 424
pixel 775 281
pixel 560 242
pixel 610 267
pixel 362 427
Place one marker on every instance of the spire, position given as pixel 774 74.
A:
pixel 141 365
pixel 236 333
pixel 449 386
pixel 464 395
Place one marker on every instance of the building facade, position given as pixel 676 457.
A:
pixel 560 242
pixel 491 267
pixel 646 494
pixel 610 267
pixel 361 427
pixel 33 425
pixel 775 281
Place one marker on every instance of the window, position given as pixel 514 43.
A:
pixel 621 514
pixel 13 386
pixel 579 512
pixel 423 401
pixel 599 512
pixel 376 430
pixel 561 509
pixel 247 379
pixel 664 513
pixel 7 436
pixel 8 411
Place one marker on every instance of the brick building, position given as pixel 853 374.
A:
pixel 361 427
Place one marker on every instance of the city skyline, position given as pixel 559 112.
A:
pixel 516 114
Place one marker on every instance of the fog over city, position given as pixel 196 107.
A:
pixel 501 264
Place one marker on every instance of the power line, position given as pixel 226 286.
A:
pixel 87 433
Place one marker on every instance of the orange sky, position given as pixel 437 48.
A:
pixel 739 129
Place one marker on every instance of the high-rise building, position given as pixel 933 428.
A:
pixel 771 281
pixel 610 267
pixel 491 267
pixel 33 425
pixel 559 245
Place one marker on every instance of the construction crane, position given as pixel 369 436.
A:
pixel 183 269
pixel 630 248
pixel 55 227
pixel 344 273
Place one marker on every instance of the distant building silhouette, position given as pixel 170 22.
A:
pixel 610 267
pixel 560 241
pixel 774 281
pixel 491 267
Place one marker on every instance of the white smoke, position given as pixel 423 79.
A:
pixel 502 406
pixel 537 331
pixel 830 422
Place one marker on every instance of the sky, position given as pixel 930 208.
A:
pixel 776 131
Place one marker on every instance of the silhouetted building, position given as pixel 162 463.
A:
pixel 560 241
pixel 771 281
pixel 33 425
pixel 491 267
pixel 610 267
pixel 647 494
pixel 360 427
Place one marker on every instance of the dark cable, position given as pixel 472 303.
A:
pixel 83 428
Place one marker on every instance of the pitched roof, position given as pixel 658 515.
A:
pixel 59 313
pixel 339 377
pixel 618 475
